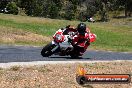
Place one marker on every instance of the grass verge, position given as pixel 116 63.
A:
pixel 114 35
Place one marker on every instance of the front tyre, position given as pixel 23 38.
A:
pixel 46 51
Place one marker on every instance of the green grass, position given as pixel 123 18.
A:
pixel 114 35
pixel 36 28
pixel 115 38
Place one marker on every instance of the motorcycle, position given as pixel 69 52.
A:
pixel 62 46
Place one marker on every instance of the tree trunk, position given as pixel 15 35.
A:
pixel 126 8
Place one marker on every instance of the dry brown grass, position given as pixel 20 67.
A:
pixel 14 36
pixel 61 75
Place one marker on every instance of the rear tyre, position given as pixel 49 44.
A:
pixel 46 51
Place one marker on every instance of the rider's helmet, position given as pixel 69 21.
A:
pixel 81 28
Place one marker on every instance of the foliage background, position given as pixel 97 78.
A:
pixel 69 9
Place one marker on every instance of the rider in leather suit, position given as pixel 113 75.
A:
pixel 81 39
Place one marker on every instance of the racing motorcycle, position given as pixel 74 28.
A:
pixel 62 46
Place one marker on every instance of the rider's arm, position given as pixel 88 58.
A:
pixel 68 29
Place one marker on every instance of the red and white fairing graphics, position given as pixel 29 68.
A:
pixel 92 37
pixel 58 36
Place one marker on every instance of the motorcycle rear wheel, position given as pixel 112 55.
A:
pixel 46 51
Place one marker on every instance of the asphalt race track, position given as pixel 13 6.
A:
pixel 29 53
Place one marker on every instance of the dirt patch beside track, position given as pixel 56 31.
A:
pixel 61 75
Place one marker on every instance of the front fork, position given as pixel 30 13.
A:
pixel 56 47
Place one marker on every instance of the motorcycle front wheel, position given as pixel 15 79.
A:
pixel 46 51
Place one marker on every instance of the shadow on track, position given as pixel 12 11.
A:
pixel 82 58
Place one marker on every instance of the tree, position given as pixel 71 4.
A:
pixel 53 10
pixel 103 8
pixel 12 8
pixel 3 4
pixel 122 5
pixel 91 7
pixel 128 8
pixel 70 10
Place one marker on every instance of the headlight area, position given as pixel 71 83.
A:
pixel 59 38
